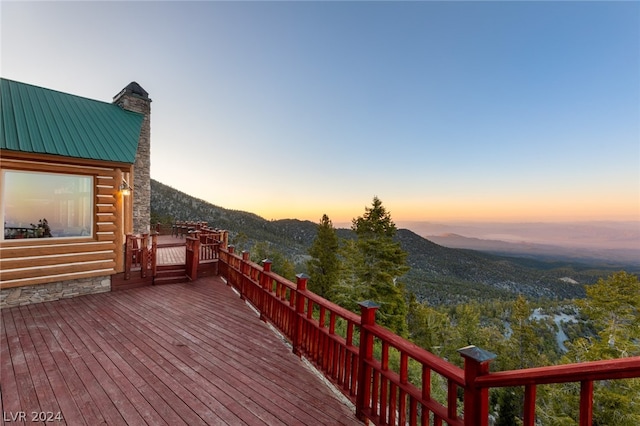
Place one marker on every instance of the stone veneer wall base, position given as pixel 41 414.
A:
pixel 26 295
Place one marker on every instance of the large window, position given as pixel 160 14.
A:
pixel 46 205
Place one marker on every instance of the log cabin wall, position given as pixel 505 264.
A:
pixel 42 269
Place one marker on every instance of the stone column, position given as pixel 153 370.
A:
pixel 135 98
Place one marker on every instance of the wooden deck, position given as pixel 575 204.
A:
pixel 174 354
pixel 171 250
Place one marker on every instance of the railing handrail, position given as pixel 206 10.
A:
pixel 609 369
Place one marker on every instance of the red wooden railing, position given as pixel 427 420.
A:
pixel 584 373
pixel 376 369
pixel 182 228
pixel 203 246
pixel 139 256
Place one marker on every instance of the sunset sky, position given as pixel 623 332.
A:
pixel 475 111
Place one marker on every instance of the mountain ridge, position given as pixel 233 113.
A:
pixel 438 274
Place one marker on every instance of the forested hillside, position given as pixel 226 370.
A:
pixel 438 275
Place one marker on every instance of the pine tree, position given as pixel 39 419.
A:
pixel 508 407
pixel 324 265
pixel 349 289
pixel 428 328
pixel 613 305
pixel 525 342
pixel 384 262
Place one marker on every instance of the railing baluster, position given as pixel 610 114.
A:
pixel 452 399
pixel 404 379
pixel 128 257
pixel 426 392
pixel 154 255
pixel 586 403
pixel 144 258
pixel 529 412
pixel 384 392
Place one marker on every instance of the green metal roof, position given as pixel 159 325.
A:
pixel 44 121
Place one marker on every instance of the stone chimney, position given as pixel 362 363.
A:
pixel 135 98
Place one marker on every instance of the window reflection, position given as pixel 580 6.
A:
pixel 46 205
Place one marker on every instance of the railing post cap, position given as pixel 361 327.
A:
pixel 369 304
pixel 267 261
pixel 476 354
pixel 302 276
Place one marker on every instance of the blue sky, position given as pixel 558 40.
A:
pixel 447 111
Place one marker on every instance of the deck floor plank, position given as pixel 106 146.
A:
pixel 191 353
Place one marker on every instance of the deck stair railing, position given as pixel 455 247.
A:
pixel 203 245
pixel 390 380
pixel 140 255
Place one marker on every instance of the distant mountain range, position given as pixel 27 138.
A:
pixel 438 275
pixel 627 258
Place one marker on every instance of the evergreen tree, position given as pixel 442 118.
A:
pixel 324 264
pixel 508 407
pixel 613 305
pixel 349 290
pixel 467 321
pixel 428 328
pixel 384 262
pixel 525 342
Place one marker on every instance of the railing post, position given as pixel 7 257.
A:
pixel 154 252
pixel 586 402
pixel 301 286
pixel 244 272
pixel 476 400
pixel 363 391
pixel 265 284
pixel 127 256
pixel 193 257
pixel 144 255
